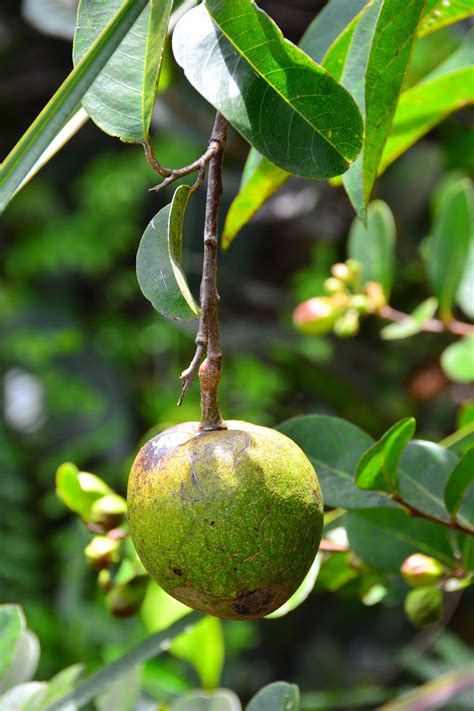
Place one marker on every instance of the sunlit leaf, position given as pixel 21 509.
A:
pixel 12 622
pixel 441 13
pixel 377 468
pixel 461 481
pixel 122 97
pixel 159 270
pixel 374 246
pixel 413 323
pixel 458 360
pixel 282 103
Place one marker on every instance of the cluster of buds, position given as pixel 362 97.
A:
pixel 346 300
pixel 424 603
pixel 121 576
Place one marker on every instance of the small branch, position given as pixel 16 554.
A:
pixel 422 514
pixel 432 325
pixel 189 375
pixel 172 174
pixel 210 369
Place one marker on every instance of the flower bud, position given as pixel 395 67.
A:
pixel 424 606
pixel 419 570
pixel 333 285
pixel 104 580
pixel 348 324
pixel 102 552
pixel 360 302
pixel 375 296
pixel 341 271
pixel 125 600
pixel 316 316
pixel 354 266
pixel 108 512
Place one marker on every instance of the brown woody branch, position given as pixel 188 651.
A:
pixel 413 511
pixel 432 325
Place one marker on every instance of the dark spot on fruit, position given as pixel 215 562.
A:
pixel 177 571
pixel 253 602
pixel 211 523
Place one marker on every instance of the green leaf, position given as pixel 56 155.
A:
pixel 377 468
pixel 281 102
pixel 159 269
pixel 383 538
pixel 78 490
pixel 63 682
pixel 335 58
pixel 336 571
pixel 374 246
pixel 279 696
pixel 150 647
pixel 65 102
pixel 12 622
pixel 374 72
pixel 197 700
pixel 301 593
pixel 328 25
pixel 334 447
pixel 449 244
pixel 446 89
pixel 122 98
pixel 460 481
pixel 203 647
pixel 441 13
pixel 26 697
pixel 423 472
pixel 464 297
pixel 413 323
pixel 458 360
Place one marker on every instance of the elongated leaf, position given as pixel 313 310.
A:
pixel 335 58
pixel 449 245
pixel 460 481
pixel 65 102
pixel 281 102
pixel 278 696
pixel 458 360
pixel 377 469
pixel 446 89
pixel 374 246
pixel 150 647
pixel 441 13
pixel 159 269
pixel 423 471
pixel 122 97
pixel 413 323
pixel 328 25
pixel 334 447
pixel 383 538
pixel 374 73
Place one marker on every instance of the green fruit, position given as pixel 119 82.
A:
pixel 419 570
pixel 226 521
pixel 424 606
pixel 316 316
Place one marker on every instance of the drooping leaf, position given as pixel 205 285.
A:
pixel 374 72
pixel 334 447
pixel 377 468
pixel 460 481
pixel 383 538
pixel 282 103
pixel 278 696
pixel 441 13
pixel 65 102
pixel 374 246
pixel 122 97
pixel 328 25
pixel 423 472
pixel 301 593
pixel 447 88
pixel 449 245
pixel 458 360
pixel 413 323
pixel 159 269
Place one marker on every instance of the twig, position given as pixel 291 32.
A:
pixel 431 325
pixel 172 174
pixel 188 375
pixel 412 511
pixel 210 369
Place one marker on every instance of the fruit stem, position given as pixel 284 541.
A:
pixel 210 369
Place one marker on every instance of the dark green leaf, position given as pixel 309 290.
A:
pixel 447 88
pixel 65 102
pixel 122 97
pixel 383 538
pixel 334 447
pixel 441 13
pixel 374 246
pixel 449 244
pixel 159 269
pixel 458 360
pixel 413 323
pixel 422 475
pixel 374 73
pixel 460 482
pixel 377 468
pixel 282 103
pixel 279 696
pixel 328 25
